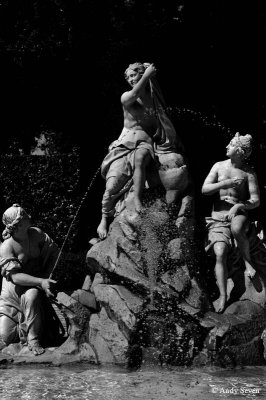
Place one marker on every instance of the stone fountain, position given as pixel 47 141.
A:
pixel 147 296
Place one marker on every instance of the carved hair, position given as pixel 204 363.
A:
pixel 244 143
pixel 137 66
pixel 11 218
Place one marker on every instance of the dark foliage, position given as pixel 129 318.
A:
pixel 48 188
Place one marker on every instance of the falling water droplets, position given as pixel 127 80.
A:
pixel 74 219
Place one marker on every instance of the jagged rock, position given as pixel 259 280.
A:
pixel 150 259
pixel 106 339
pixel 240 287
pixel 179 280
pixel 121 305
pixel 87 283
pixel 79 317
pixel 236 334
pixel 176 248
pixel 85 298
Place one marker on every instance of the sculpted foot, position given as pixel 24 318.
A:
pixel 102 229
pixel 219 304
pixel 36 348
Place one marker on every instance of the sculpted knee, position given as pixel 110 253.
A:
pixel 4 335
pixel 220 251
pixel 32 295
pixel 8 330
pixel 237 232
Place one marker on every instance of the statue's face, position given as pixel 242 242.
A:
pixel 133 77
pixel 233 147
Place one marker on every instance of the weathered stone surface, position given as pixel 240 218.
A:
pixel 79 317
pixel 106 339
pixel 18 354
pixel 236 334
pixel 87 283
pixel 240 287
pixel 85 298
pixel 178 280
pixel 117 307
pixel 195 297
pixel 109 256
pixel 176 249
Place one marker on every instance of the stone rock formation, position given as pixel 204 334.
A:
pixel 146 276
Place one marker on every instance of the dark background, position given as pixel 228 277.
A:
pixel 62 65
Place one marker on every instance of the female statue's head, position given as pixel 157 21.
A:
pixel 134 72
pixel 12 218
pixel 137 67
pixel 242 144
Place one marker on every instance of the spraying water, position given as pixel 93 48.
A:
pixel 74 219
pixel 208 121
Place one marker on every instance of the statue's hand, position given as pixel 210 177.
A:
pixel 150 71
pixel 232 183
pixel 146 65
pixel 237 182
pixel 234 210
pixel 47 286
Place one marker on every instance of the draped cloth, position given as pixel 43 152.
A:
pixel 219 230
pixel 165 139
pixel 14 302
pixel 120 160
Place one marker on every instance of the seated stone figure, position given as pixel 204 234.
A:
pixel 27 256
pixel 234 184
pixel 147 133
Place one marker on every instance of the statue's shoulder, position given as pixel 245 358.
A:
pixel 220 164
pixel 124 96
pixel 6 247
pixel 224 163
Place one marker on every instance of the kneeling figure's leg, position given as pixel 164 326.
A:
pixel 31 303
pixel 8 330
